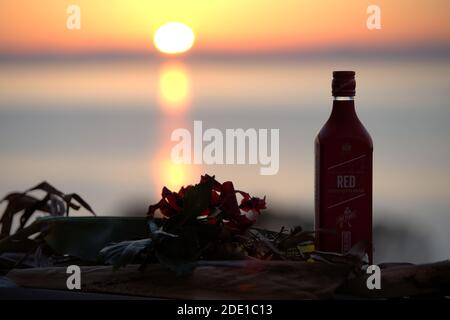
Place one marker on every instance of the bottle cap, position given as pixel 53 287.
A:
pixel 343 84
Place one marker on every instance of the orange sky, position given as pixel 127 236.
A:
pixel 226 25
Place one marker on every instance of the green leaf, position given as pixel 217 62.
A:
pixel 123 253
pixel 156 232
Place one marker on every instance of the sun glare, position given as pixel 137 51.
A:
pixel 164 172
pixel 173 38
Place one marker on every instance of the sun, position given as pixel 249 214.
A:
pixel 173 38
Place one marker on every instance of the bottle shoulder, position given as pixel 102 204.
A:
pixel 333 131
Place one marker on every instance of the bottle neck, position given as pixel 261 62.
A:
pixel 343 108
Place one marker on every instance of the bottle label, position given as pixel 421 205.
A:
pixel 345 195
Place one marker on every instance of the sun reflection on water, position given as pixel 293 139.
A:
pixel 174 92
pixel 174 87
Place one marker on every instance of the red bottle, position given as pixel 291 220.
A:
pixel 343 179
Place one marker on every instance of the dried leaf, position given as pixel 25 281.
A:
pixel 55 203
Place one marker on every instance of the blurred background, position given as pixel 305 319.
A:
pixel 91 110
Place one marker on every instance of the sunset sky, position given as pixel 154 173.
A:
pixel 30 26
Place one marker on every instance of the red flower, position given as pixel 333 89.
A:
pixel 223 205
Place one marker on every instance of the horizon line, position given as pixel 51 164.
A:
pixel 415 51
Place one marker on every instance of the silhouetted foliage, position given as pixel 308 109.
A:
pixel 54 203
